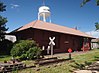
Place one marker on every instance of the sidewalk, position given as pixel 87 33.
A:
pixel 65 55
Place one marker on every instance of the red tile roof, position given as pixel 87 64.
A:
pixel 53 27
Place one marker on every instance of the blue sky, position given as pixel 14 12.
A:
pixel 63 12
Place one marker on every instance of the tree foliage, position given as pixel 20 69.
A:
pixel 97 3
pixel 2 7
pixel 21 47
pixel 97 26
pixel 3 22
pixel 33 53
pixel 86 1
pixel 5 47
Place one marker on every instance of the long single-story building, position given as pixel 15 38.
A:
pixel 95 43
pixel 65 37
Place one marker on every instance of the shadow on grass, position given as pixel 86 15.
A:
pixel 51 61
pixel 81 66
pixel 4 56
pixel 96 58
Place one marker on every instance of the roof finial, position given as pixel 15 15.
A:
pixel 44 2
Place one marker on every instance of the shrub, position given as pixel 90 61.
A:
pixel 21 47
pixel 34 52
pixel 26 49
pixel 23 57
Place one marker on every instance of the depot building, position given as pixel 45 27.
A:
pixel 65 37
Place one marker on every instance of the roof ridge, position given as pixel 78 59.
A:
pixel 35 23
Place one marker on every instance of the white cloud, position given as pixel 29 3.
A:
pixel 94 33
pixel 14 6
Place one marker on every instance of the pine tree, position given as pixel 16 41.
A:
pixel 86 1
pixel 3 22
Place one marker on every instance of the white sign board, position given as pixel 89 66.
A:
pixel 52 41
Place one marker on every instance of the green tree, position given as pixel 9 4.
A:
pixel 97 3
pixel 97 26
pixel 3 22
pixel 86 1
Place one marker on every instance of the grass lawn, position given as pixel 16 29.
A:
pixel 4 57
pixel 64 68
